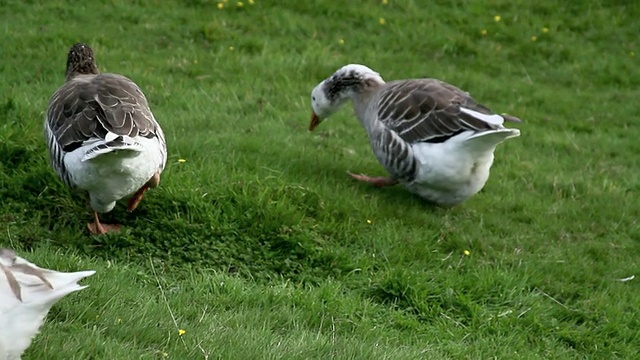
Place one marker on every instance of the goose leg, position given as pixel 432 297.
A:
pixel 98 228
pixel 379 181
pixel 137 197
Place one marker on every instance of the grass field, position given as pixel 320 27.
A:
pixel 259 246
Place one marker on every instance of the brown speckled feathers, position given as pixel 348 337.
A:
pixel 428 110
pixel 92 105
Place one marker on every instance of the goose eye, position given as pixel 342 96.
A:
pixel 313 98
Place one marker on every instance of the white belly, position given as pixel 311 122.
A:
pixel 448 177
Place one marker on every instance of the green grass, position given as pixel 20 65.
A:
pixel 260 247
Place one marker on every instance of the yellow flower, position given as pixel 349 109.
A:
pixel 182 160
pixel 534 38
pixel 251 2
pixel 497 18
pixel 231 48
pixel 385 2
pixel 220 5
pixel 381 21
pixel 240 4
pixel 164 354
pixel 483 32
pixel 467 252
pixel 545 30
pixel 181 332
pixel 341 41
pixel 368 221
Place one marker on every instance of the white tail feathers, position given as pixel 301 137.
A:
pixel 487 141
pixel 111 143
pixel 27 292
pixel 489 119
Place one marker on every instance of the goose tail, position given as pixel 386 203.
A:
pixel 487 141
pixel 112 143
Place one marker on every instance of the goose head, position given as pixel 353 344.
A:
pixel 331 93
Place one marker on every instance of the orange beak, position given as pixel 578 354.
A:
pixel 315 120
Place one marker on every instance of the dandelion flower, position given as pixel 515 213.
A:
pixel 467 252
pixel 368 221
pixel 231 48
pixel 385 2
pixel 251 2
pixel 220 6
pixel 182 160
pixel 341 41
pixel 483 32
pixel 497 18
pixel 534 38
pixel 181 332
pixel 381 21
pixel 240 4
pixel 545 30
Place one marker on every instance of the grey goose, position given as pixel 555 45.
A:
pixel 102 137
pixel 430 136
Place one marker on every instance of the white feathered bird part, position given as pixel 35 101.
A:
pixel 27 292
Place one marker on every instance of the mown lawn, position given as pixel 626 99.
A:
pixel 259 246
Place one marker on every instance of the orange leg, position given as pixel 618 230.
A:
pixel 137 197
pixel 98 228
pixel 376 181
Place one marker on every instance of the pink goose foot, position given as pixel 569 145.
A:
pixel 98 228
pixel 379 181
pixel 137 197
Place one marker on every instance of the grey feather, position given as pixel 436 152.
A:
pixel 428 110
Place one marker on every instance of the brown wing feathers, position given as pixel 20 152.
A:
pixel 83 109
pixel 428 110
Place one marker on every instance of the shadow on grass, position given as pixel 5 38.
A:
pixel 245 229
